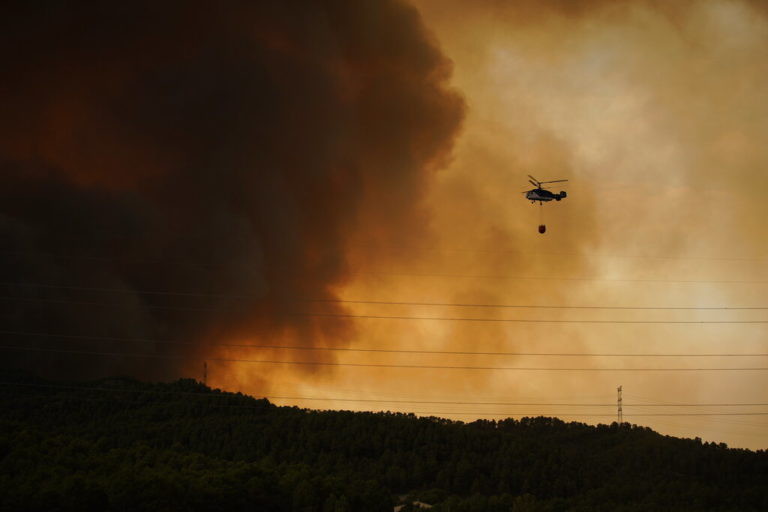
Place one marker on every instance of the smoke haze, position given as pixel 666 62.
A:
pixel 656 113
pixel 257 160
pixel 189 172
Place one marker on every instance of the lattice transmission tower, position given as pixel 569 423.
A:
pixel 619 411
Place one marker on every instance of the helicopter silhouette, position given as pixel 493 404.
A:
pixel 541 194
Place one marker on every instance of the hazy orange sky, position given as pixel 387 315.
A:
pixel 180 179
pixel 657 116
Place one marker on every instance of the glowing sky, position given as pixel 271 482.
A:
pixel 657 116
pixel 180 179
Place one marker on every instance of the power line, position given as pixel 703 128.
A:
pixel 446 413
pixel 403 317
pixel 142 391
pixel 372 350
pixel 122 260
pixel 456 402
pixel 90 303
pixel 539 306
pixel 220 394
pixel 127 291
pixel 208 394
pixel 387 303
pixel 604 415
pixel 371 365
pixel 662 403
pixel 554 278
pixel 530 320
pixel 456 413
pixel 442 250
pixel 583 254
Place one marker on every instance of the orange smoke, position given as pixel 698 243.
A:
pixel 183 175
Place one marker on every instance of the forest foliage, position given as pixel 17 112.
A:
pixel 121 444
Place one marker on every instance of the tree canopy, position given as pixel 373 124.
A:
pixel 121 444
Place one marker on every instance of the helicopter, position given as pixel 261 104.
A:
pixel 540 194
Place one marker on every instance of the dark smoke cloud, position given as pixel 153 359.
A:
pixel 224 149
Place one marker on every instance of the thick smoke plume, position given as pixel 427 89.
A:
pixel 193 171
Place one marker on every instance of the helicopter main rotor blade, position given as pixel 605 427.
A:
pixel 534 183
pixel 534 179
pixel 553 181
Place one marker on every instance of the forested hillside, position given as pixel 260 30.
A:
pixel 120 444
